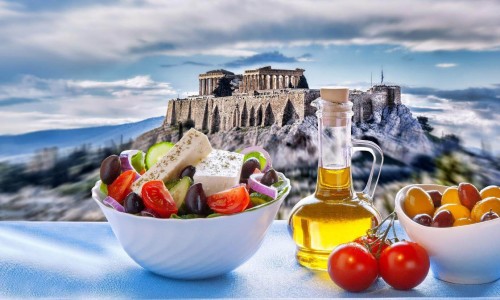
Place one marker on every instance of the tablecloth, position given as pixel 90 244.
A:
pixel 84 260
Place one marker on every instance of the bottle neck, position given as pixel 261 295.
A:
pixel 334 134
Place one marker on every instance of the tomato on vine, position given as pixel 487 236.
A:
pixel 352 267
pixel 404 265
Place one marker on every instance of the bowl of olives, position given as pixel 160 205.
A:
pixel 458 226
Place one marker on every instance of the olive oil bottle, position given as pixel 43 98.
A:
pixel 334 214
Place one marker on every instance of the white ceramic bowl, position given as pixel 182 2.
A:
pixel 467 254
pixel 191 248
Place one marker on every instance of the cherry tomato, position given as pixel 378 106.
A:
pixel 229 201
pixel 120 188
pixel 372 243
pixel 352 267
pixel 157 198
pixel 404 265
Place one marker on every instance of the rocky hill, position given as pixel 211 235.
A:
pixel 296 146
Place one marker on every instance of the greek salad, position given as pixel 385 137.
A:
pixel 189 180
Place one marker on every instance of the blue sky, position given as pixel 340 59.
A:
pixel 67 64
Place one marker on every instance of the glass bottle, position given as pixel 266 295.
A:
pixel 335 213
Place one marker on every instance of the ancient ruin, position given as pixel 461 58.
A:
pixel 267 78
pixel 265 97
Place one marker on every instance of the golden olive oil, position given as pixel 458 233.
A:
pixel 330 217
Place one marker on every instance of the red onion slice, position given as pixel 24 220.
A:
pixel 109 201
pixel 149 213
pixel 125 158
pixel 264 152
pixel 254 184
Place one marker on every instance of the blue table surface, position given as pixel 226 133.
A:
pixel 84 260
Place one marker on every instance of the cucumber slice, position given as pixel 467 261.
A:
pixel 156 152
pixel 258 199
pixel 180 189
pixel 103 188
pixel 137 161
pixel 170 183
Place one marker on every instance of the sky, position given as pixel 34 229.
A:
pixel 70 64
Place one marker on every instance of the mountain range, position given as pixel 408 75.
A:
pixel 26 144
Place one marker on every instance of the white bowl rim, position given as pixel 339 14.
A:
pixel 428 187
pixel 96 192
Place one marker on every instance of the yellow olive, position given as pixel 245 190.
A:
pixel 484 206
pixel 462 222
pixel 450 196
pixel 490 191
pixel 418 202
pixel 458 211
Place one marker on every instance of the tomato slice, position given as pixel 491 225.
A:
pixel 120 188
pixel 157 198
pixel 229 201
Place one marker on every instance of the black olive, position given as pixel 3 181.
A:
pixel 270 178
pixel 196 200
pixel 188 171
pixel 110 169
pixel 133 203
pixel 248 168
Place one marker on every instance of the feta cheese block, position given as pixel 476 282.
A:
pixel 191 149
pixel 219 171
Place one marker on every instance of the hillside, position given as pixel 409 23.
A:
pixel 398 133
pixel 25 144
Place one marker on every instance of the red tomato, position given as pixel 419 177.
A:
pixel 157 198
pixel 404 265
pixel 229 201
pixel 120 188
pixel 352 267
pixel 372 243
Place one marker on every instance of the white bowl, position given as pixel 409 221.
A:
pixel 191 248
pixel 467 254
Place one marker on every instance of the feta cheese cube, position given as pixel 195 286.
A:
pixel 219 171
pixel 192 148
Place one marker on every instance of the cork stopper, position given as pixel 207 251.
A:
pixel 335 94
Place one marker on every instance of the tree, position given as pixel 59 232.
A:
pixel 224 88
pixel 424 123
pixel 302 83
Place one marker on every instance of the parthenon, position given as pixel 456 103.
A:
pixel 265 78
pixel 264 97
pixel 208 81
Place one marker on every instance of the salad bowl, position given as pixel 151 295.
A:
pixel 465 254
pixel 191 248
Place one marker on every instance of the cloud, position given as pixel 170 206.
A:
pixel 16 101
pixel 446 65
pixel 186 63
pixel 36 103
pixel 127 30
pixel 264 58
pixel 305 58
pixel 470 113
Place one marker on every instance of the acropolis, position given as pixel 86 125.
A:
pixel 263 97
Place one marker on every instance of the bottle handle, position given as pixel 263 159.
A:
pixel 378 160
